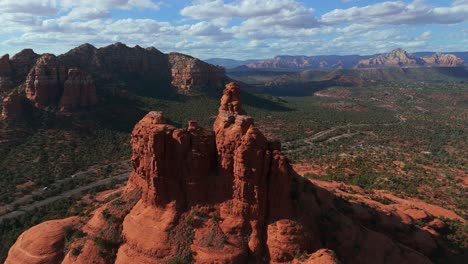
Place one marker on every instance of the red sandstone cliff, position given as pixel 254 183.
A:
pixel 227 196
pixel 50 83
pixel 44 83
pixel 79 91
pixel 12 108
pixel 189 73
pixel 22 63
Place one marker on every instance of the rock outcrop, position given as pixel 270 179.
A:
pixel 5 73
pixel 397 57
pixel 50 83
pixel 229 196
pixel 44 84
pixel 79 91
pixel 120 62
pixel 43 243
pixel 22 63
pixel 440 59
pixel 189 73
pixel 12 108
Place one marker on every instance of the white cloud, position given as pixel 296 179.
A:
pixel 111 4
pixel 258 13
pixel 204 9
pixel 399 13
pixel 425 35
pixel 233 28
pixel 32 7
pixel 260 19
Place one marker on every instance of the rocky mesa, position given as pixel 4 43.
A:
pixel 226 195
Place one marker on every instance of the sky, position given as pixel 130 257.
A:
pixel 237 29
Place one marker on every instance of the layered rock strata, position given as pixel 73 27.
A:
pixel 44 84
pixel 189 73
pixel 50 83
pixel 79 91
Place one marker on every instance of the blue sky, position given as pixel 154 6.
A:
pixel 239 29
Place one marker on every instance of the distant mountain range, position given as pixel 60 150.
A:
pixel 395 58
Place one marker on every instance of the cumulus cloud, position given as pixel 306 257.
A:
pixel 288 13
pixel 242 8
pixel 233 28
pixel 31 7
pixel 260 19
pixel 111 4
pixel 425 35
pixel 399 13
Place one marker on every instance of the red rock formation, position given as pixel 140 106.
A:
pixel 439 59
pixel 12 108
pixel 5 73
pixel 49 83
pixel 230 196
pixel 79 91
pixel 120 62
pixel 397 57
pixel 189 73
pixel 322 256
pixel 22 63
pixel 43 243
pixel 44 84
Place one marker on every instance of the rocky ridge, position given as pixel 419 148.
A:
pixel 189 73
pixel 229 195
pixel 395 58
pixel 307 62
pixel 448 60
pixel 71 81
pixel 401 58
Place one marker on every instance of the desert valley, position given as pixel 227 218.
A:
pixel 337 161
pixel 233 131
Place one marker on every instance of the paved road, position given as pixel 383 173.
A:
pixel 327 135
pixel 63 195
pixel 29 197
